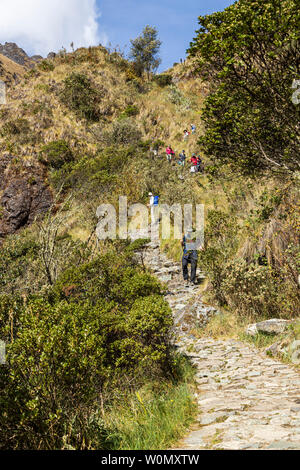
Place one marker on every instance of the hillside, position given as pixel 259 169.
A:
pixel 93 363
pixel 10 71
pixel 85 122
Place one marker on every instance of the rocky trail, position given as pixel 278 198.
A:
pixel 246 399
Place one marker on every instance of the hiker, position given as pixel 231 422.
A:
pixel 193 128
pixel 194 163
pixel 182 158
pixel 190 255
pixel 170 153
pixel 199 163
pixel 154 202
pixel 186 134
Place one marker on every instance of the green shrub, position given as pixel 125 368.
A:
pixel 17 255
pixel 103 325
pixel 163 80
pixel 177 97
pixel 80 96
pixel 130 111
pixel 124 132
pixel 56 154
pixel 46 66
pixel 94 172
pixel 221 242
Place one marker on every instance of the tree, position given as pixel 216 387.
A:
pixel 144 51
pixel 250 55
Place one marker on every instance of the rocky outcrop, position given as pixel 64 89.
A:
pixel 24 194
pixel 10 71
pixel 274 326
pixel 14 53
pixel 18 55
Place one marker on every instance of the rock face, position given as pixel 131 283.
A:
pixel 15 53
pixel 10 71
pixel 18 55
pixel 24 195
pixel 272 327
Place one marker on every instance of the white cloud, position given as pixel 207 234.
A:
pixel 41 26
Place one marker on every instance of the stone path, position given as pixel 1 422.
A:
pixel 246 399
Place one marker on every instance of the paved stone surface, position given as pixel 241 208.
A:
pixel 246 399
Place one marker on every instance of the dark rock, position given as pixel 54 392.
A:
pixel 36 58
pixel 15 53
pixel 24 195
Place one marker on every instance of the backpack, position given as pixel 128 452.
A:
pixel 156 200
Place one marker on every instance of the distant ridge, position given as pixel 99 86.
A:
pixel 10 71
pixel 13 52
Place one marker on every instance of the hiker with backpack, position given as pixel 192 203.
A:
pixel 199 164
pixel 170 153
pixel 182 158
pixel 190 256
pixel 194 163
pixel 154 203
pixel 193 128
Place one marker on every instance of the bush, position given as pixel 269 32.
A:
pixel 103 325
pixel 46 66
pixel 163 80
pixel 94 172
pixel 177 97
pixel 124 132
pixel 130 111
pixel 80 95
pixel 56 154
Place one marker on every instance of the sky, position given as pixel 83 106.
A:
pixel 41 26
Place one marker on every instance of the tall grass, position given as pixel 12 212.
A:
pixel 152 420
pixel 156 416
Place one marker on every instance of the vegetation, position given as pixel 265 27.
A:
pixel 80 96
pixel 163 79
pixel 57 154
pixel 250 55
pixel 144 51
pixel 74 351
pixel 90 362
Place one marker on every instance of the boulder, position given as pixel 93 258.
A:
pixel 274 326
pixel 24 195
pixel 295 352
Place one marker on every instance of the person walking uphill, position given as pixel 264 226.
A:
pixel 153 204
pixel 170 153
pixel 182 158
pixel 190 256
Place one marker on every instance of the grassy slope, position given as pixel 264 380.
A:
pixel 158 118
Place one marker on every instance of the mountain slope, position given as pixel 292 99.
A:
pixel 10 71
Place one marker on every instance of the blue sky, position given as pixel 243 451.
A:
pixel 42 26
pixel 176 21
